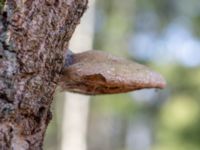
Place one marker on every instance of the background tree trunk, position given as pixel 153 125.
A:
pixel 76 106
pixel 34 36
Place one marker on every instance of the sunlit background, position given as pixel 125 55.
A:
pixel 162 34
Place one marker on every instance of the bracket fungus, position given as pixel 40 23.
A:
pixel 96 72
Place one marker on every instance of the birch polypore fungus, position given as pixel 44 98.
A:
pixel 96 72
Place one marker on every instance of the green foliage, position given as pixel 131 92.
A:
pixel 179 118
pixel 196 23
pixel 2 4
pixel 118 103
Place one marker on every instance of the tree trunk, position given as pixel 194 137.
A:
pixel 34 37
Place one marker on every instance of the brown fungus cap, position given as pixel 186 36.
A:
pixel 97 72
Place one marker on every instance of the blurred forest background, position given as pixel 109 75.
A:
pixel 165 35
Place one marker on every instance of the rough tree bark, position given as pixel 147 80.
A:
pixel 34 36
